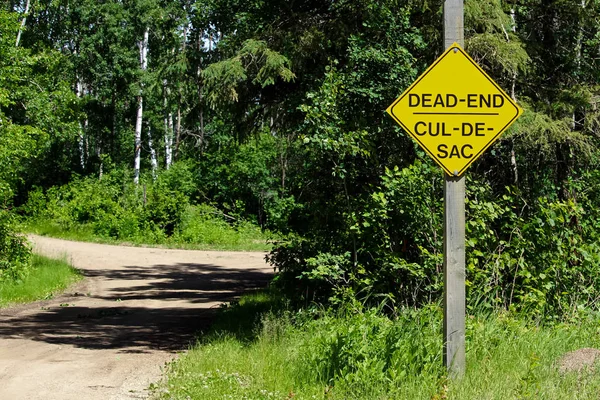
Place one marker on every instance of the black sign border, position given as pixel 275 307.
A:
pixel 415 83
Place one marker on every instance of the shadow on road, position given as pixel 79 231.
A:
pixel 144 308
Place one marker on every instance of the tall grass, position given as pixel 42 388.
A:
pixel 209 234
pixel 365 355
pixel 47 278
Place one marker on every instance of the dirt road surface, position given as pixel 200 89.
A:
pixel 110 336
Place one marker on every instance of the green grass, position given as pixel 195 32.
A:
pixel 207 235
pixel 47 278
pixel 364 355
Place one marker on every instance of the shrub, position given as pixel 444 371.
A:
pixel 15 253
pixel 540 257
pixel 151 212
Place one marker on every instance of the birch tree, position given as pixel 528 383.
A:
pixel 23 22
pixel 153 158
pixel 143 46
pixel 168 124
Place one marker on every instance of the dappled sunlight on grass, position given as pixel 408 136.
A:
pixel 47 278
pixel 258 350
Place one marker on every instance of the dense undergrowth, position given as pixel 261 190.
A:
pixel 534 255
pixel 161 212
pixel 258 350
pixel 15 253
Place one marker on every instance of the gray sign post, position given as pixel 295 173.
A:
pixel 454 230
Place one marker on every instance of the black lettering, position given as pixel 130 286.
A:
pixel 451 100
pixel 472 100
pixel 439 101
pixel 442 151
pixel 462 151
pixel 485 99
pixel 467 129
pixel 498 100
pixel 479 127
pixel 413 100
pixel 426 99
pixel 417 130
pixel 454 152
pixel 444 130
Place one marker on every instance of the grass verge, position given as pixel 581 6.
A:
pixel 213 237
pixel 254 353
pixel 47 278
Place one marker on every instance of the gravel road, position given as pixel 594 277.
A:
pixel 109 336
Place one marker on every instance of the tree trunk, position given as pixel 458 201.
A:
pixel 168 121
pixel 178 127
pixel 153 159
pixel 23 21
pixel 201 113
pixel 138 140
pixel 79 94
pixel 180 95
pixel 143 45
pixel 99 155
pixel 513 158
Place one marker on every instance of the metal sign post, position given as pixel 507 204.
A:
pixel 454 229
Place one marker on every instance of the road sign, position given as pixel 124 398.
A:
pixel 455 111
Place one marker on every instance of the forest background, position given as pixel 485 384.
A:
pixel 195 122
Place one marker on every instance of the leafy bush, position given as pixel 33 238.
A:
pixel 541 257
pixel 111 208
pixel 15 253
pixel 153 212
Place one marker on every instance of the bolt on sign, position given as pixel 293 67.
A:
pixel 455 111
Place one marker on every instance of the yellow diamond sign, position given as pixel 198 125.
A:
pixel 454 110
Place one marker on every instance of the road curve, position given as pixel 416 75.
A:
pixel 109 336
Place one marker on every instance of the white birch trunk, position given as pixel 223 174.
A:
pixel 201 113
pixel 79 94
pixel 143 45
pixel 99 155
pixel 168 119
pixel 514 77
pixel 178 127
pixel 23 21
pixel 180 95
pixel 513 158
pixel 153 159
pixel 169 142
pixel 578 49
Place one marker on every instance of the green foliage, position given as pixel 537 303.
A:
pixel 248 171
pixel 258 350
pixel 265 65
pixel 356 353
pixel 276 113
pixel 111 208
pixel 114 209
pixel 47 277
pixel 206 225
pixel 541 258
pixel 543 261
pixel 15 253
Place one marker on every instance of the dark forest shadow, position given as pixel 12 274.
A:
pixel 135 329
